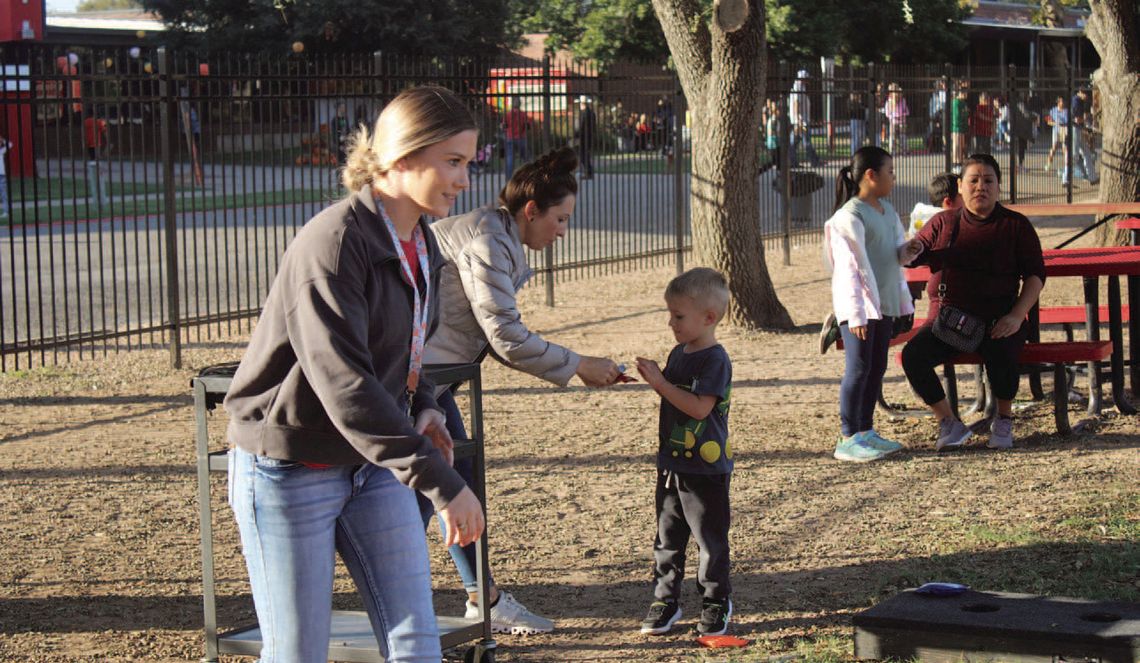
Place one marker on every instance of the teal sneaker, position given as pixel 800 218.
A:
pixel 856 450
pixel 876 441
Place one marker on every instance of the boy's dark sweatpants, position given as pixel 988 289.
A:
pixel 694 504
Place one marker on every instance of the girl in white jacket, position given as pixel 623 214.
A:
pixel 865 249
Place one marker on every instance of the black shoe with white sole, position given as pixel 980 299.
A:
pixel 661 617
pixel 715 616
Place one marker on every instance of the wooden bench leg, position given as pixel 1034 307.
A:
pixel 1061 400
pixel 1092 333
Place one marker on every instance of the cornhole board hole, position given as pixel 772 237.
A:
pixel 994 626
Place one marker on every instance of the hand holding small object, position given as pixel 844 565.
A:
pixel 622 377
pixel 650 371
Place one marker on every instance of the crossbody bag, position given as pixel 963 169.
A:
pixel 953 326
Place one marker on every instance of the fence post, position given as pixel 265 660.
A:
pixel 679 171
pixel 947 135
pixel 1071 134
pixel 873 104
pixel 548 253
pixel 168 94
pixel 786 173
pixel 1011 110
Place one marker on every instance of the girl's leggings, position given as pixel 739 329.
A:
pixel 863 376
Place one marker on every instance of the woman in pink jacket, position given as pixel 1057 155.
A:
pixel 865 248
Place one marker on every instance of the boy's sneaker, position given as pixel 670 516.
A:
pixel 876 441
pixel 1001 433
pixel 855 449
pixel 952 433
pixel 714 616
pixel 510 616
pixel 661 617
pixel 828 333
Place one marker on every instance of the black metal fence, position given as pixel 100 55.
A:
pixel 151 194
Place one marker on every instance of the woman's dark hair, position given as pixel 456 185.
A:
pixel 983 160
pixel 868 157
pixel 547 181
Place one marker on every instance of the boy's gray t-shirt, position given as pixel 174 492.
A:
pixel 879 242
pixel 687 445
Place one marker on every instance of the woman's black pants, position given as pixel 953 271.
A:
pixel 925 351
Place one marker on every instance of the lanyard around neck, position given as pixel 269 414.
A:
pixel 420 304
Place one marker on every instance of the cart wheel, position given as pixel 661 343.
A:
pixel 473 656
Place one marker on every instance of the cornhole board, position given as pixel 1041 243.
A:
pixel 994 626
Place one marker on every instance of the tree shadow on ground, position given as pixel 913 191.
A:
pixel 765 602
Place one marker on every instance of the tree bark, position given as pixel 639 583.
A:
pixel 1112 29
pixel 723 76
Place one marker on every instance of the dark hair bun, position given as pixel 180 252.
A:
pixel 557 163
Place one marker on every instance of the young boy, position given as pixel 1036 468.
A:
pixel 694 459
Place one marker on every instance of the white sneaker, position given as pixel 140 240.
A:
pixel 510 616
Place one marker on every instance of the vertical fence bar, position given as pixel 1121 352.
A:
pixel 168 108
pixel 678 172
pixel 947 134
pixel 548 252
pixel 1070 137
pixel 786 147
pixel 1011 112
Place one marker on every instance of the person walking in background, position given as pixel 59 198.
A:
pixel 1083 162
pixel 983 120
pixel 865 248
pixel 5 145
pixel 897 113
pixel 857 120
pixel 934 116
pixel 585 130
pixel 1059 120
pixel 333 427
pixel 799 114
pixel 959 125
pixel 1021 128
pixel 341 130
pixel 694 456
pixel 516 123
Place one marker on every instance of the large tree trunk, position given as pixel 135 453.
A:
pixel 723 76
pixel 1113 32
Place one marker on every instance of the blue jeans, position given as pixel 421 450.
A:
pixel 463 556
pixel 863 375
pixel 3 194
pixel 293 519
pixel 1084 163
pixel 513 145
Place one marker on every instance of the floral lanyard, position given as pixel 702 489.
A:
pixel 420 305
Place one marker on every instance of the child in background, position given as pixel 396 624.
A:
pixel 694 459
pixel 959 125
pixel 865 248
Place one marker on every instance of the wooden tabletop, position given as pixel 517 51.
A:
pixel 1076 209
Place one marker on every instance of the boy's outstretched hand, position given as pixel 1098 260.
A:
pixel 650 372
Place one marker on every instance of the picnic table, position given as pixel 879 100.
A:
pixel 1090 264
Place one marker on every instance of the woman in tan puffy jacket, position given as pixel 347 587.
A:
pixel 486 267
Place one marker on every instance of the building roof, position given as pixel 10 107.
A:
pixel 1019 16
pixel 113 20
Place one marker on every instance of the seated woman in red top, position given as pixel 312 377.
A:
pixel 990 262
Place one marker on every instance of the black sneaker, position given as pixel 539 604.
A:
pixel 661 617
pixel 714 616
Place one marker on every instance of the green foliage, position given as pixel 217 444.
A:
pixel 855 31
pixel 426 27
pixel 103 5
pixel 607 30
pixel 601 30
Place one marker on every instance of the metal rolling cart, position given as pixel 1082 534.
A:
pixel 351 638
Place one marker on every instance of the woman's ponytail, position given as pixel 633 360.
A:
pixel 361 167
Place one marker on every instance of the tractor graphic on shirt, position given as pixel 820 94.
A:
pixel 683 438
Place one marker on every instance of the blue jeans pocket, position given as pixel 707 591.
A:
pixel 267 464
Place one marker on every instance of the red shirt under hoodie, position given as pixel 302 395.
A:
pixel 985 262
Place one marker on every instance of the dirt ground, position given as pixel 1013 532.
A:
pixel 100 532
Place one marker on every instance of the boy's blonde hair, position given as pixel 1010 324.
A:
pixel 417 118
pixel 706 287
